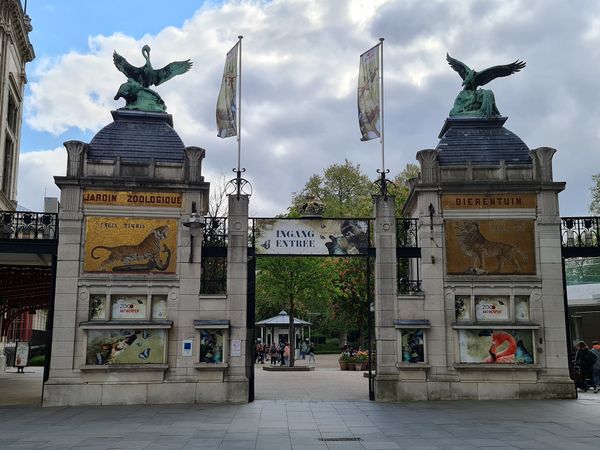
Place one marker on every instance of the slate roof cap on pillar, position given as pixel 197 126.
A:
pixel 480 141
pixel 138 137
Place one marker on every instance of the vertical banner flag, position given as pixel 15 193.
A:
pixel 368 95
pixel 226 103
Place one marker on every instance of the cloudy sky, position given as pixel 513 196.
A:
pixel 300 69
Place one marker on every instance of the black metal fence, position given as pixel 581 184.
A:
pixel 579 236
pixel 28 225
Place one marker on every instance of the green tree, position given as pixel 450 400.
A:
pixel 343 189
pixel 595 190
pixel 296 284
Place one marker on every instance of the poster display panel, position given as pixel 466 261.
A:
pixel 211 346
pixel 22 354
pixel 496 346
pixel 125 347
pixel 490 247
pixel 130 244
pixel 336 237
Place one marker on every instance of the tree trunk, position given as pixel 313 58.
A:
pixel 291 333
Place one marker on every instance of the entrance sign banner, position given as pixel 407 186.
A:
pixel 336 237
pixel 368 95
pixel 226 103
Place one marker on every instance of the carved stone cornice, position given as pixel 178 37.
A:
pixel 13 21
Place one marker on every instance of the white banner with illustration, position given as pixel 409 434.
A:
pixel 336 237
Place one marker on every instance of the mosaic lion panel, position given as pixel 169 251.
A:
pixel 129 244
pixel 490 247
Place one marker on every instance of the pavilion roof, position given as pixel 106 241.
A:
pixel 282 319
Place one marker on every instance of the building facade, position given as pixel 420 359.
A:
pixel 15 51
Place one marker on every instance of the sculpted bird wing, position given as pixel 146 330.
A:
pixel 170 70
pixel 127 69
pixel 458 66
pixel 487 75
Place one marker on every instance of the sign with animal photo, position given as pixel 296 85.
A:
pixel 490 247
pixel 333 237
pixel 130 244
pixel 496 346
pixel 125 347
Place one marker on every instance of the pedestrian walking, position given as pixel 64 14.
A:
pixel 596 367
pixel 311 353
pixel 585 359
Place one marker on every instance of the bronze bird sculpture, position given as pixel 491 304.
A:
pixel 147 75
pixel 472 78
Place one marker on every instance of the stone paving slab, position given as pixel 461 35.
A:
pixel 524 424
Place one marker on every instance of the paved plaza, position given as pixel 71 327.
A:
pixel 309 417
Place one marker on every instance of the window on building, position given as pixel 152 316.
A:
pixel 7 166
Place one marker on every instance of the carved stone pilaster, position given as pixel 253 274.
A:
pixel 429 165
pixel 75 154
pixel 193 164
pixel 542 163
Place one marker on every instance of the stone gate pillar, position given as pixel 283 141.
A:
pixel 237 291
pixel 385 297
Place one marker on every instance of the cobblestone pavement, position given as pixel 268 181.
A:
pixel 304 424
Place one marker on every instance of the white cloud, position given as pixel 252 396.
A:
pixel 300 65
pixel 36 176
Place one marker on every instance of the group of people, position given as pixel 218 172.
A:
pixel 280 354
pixel 587 366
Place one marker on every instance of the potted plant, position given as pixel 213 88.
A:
pixel 362 360
pixel 351 363
pixel 344 357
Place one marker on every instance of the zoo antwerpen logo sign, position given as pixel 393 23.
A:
pixel 128 198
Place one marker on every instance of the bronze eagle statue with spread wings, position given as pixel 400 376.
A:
pixel 478 102
pixel 147 75
pixel 472 78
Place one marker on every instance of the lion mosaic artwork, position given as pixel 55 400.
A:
pixel 504 247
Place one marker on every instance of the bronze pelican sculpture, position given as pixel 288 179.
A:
pixel 147 75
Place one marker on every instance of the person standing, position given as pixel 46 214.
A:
pixel 281 353
pixel 273 351
pixel 586 360
pixel 596 367
pixel 311 353
pixel 286 354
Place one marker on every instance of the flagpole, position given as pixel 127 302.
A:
pixel 381 106
pixel 239 118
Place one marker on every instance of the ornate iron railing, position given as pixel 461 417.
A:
pixel 406 232
pixel 580 231
pixel 28 225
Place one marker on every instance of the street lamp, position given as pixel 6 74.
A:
pixel 195 222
